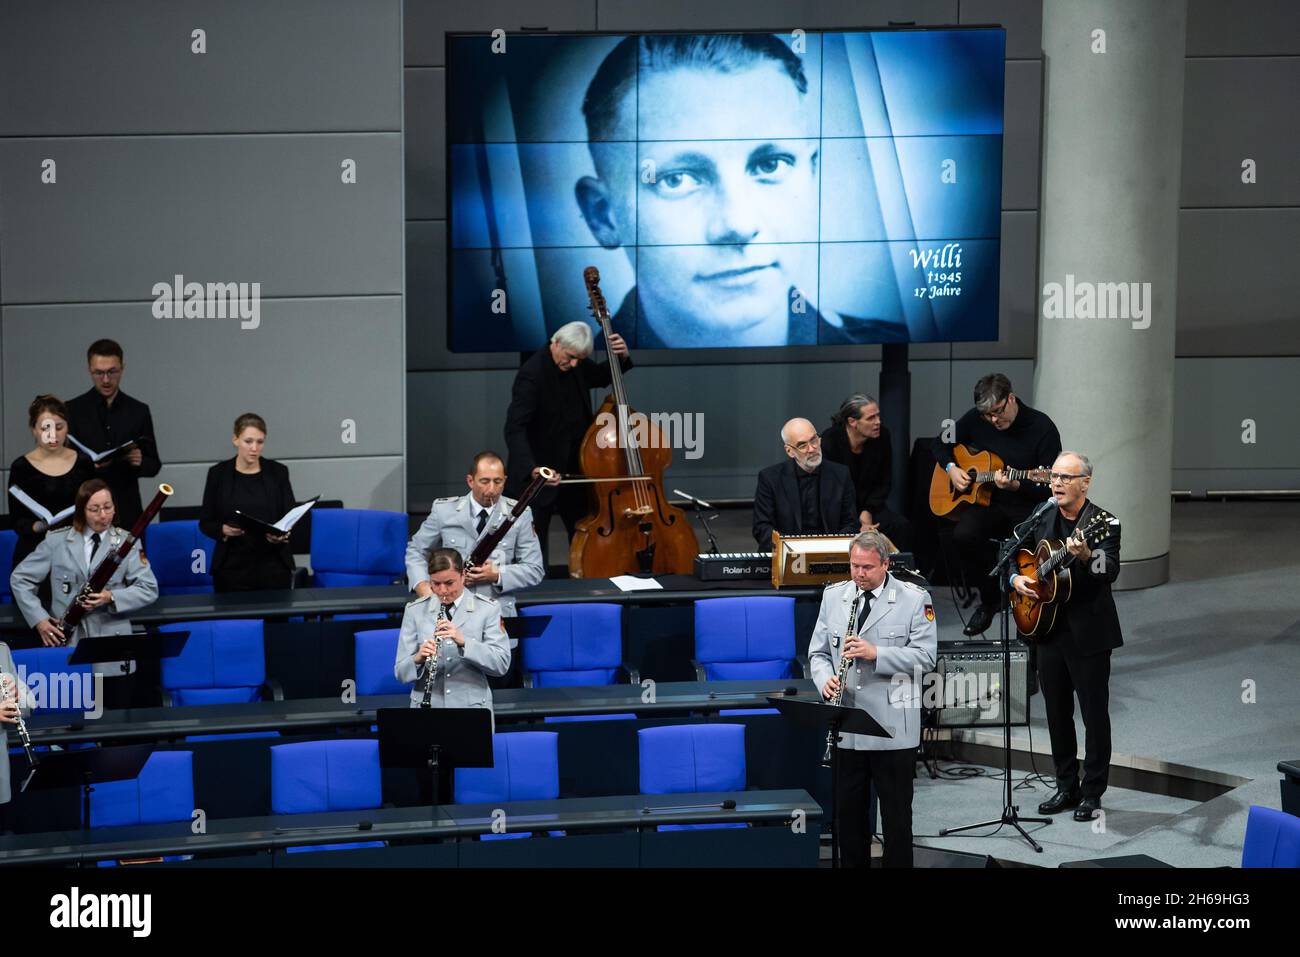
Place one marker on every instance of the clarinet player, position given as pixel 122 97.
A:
pixel 887 651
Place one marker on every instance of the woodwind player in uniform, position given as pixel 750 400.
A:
pixel 892 647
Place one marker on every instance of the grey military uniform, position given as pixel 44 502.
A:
pixel 453 523
pixel 25 705
pixel 462 672
pixel 901 626
pixel 61 556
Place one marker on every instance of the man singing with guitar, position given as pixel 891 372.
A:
pixel 1074 648
pixel 1024 439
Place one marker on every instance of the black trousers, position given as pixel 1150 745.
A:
pixel 571 503
pixel 972 537
pixel 1062 674
pixel 252 572
pixel 892 773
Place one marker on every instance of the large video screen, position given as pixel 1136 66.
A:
pixel 733 189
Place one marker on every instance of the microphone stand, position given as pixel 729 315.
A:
pixel 1010 812
pixel 699 513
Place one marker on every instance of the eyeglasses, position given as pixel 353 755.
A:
pixel 807 444
pixel 1062 477
pixel 105 373
pixel 100 509
pixel 994 414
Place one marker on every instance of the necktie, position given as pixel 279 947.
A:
pixel 482 520
pixel 94 547
pixel 447 610
pixel 866 610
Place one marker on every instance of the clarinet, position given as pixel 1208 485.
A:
pixel 431 663
pixel 841 675
pixel 21 725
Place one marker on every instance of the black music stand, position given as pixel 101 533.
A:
pixel 526 626
pixel 1010 812
pixel 432 737
pixel 834 720
pixel 143 644
pixel 85 769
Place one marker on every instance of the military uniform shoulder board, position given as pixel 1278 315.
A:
pixel 449 498
pixel 912 585
pixel 487 598
pixel 829 585
pixel 511 502
pixel 418 600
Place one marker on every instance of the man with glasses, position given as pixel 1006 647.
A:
pixel 104 418
pixel 1023 438
pixel 805 495
pixel 1074 655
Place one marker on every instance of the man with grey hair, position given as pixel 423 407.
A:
pixel 890 645
pixel 1024 439
pixel 550 411
pixel 804 495
pixel 1074 652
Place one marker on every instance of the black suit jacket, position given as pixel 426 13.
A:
pixel 549 414
pixel 219 507
pixel 776 502
pixel 1089 621
pixel 101 426
pixel 874 462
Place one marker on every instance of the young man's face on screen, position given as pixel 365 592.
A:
pixel 722 179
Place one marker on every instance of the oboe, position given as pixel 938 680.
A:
pixel 431 663
pixel 20 724
pixel 842 675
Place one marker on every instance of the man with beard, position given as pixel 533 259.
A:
pixel 804 495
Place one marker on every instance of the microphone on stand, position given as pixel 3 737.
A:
pixel 691 498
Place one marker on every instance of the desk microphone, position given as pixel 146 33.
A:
pixel 727 805
pixel 787 692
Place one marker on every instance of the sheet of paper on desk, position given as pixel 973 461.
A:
pixel 632 583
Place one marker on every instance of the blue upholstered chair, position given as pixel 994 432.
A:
pixel 316 776
pixel 163 792
pixel 8 539
pixel 223 662
pixel 1272 839
pixel 57 685
pixel 171 547
pixel 739 639
pixel 374 654
pixel 355 546
pixel 526 767
pixel 686 758
pixel 582 645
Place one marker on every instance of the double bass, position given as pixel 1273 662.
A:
pixel 632 528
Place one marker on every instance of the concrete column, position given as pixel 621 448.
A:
pixel 1108 255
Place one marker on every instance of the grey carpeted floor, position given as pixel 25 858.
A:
pixel 1208 678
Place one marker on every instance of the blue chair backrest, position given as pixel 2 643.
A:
pixel 171 548
pixel 8 539
pixel 682 758
pixel 55 684
pixel 582 645
pixel 1272 839
pixel 526 767
pixel 325 776
pixel 375 654
pixel 745 638
pixel 223 662
pixel 163 792
pixel 356 546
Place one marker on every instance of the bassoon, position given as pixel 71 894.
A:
pixel 488 543
pixel 104 571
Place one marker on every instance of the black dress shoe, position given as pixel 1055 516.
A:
pixel 979 622
pixel 1087 809
pixel 1058 802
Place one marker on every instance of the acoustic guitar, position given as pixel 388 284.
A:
pixel 945 500
pixel 1049 567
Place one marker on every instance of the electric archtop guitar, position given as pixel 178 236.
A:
pixel 1049 567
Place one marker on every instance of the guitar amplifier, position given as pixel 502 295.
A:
pixel 970 676
pixel 733 566
pixel 818 559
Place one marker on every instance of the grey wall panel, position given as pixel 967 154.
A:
pixel 1018 303
pixel 1242 28
pixel 426 144
pixel 295 65
pixel 377 482
pixel 127 213
pixel 776 14
pixel 439 446
pixel 1214 397
pixel 427 21
pixel 1020 138
pixel 310 365
pixel 1233 110
pixel 1022 18
pixel 1199 481
pixel 1237 294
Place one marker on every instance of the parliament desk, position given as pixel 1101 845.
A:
pixel 614 831
pixel 313 656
